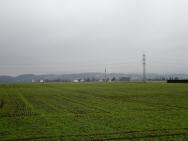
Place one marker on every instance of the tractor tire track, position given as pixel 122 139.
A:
pixel 164 106
pixel 80 103
pixel 129 135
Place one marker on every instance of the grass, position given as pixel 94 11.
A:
pixel 96 111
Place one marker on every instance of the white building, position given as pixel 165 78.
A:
pixel 75 81
pixel 41 81
pixel 82 80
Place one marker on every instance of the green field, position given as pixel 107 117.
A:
pixel 116 111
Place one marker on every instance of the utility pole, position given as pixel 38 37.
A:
pixel 144 68
pixel 105 75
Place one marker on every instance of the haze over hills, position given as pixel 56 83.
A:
pixel 86 76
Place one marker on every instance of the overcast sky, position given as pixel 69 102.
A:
pixel 72 36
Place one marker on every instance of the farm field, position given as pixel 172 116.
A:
pixel 95 111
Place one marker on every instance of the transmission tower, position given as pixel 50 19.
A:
pixel 144 68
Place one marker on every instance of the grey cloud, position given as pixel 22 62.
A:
pixel 48 36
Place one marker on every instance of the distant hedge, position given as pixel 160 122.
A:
pixel 177 81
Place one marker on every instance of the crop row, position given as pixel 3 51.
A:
pixel 1 104
pixel 106 104
pixel 158 106
pixel 129 135
pixel 14 107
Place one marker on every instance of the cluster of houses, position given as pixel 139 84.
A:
pixel 84 80
pixel 38 81
pixel 103 80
